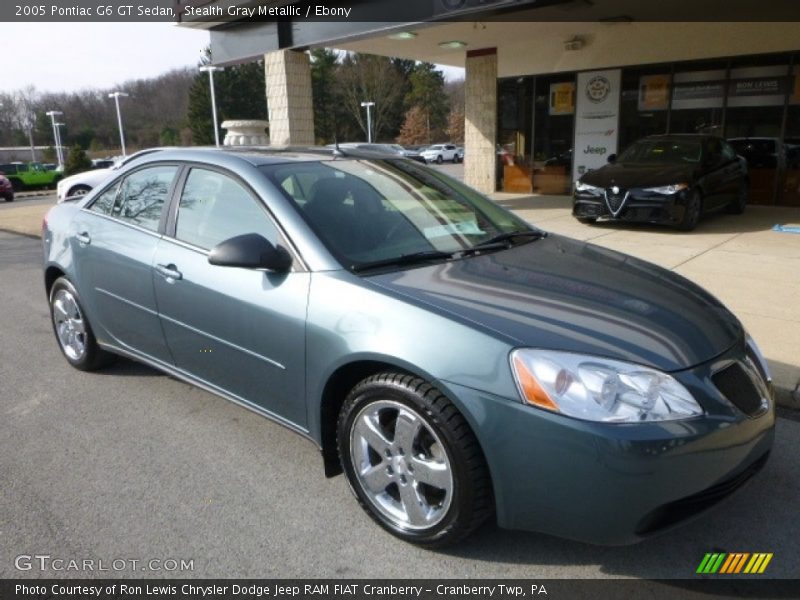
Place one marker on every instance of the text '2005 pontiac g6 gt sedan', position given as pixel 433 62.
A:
pixel 455 362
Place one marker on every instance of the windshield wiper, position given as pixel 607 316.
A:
pixel 501 240
pixel 403 259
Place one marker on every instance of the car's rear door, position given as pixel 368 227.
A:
pixel 239 330
pixel 113 243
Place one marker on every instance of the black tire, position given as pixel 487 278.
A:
pixel 93 357
pixel 738 204
pixel 9 198
pixel 17 184
pixel 79 190
pixel 439 160
pixel 692 212
pixel 455 451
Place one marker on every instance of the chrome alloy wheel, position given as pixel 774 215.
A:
pixel 69 324
pixel 401 465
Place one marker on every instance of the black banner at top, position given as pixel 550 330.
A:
pixel 387 11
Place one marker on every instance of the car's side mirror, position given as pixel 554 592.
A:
pixel 250 251
pixel 612 158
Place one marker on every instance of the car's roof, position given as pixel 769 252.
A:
pixel 682 136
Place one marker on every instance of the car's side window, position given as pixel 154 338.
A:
pixel 215 207
pixel 104 203
pixel 143 195
pixel 714 149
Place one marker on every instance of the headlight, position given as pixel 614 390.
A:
pixel 585 187
pixel 667 189
pixel 599 389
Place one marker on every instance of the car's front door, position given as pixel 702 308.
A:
pixel 716 178
pixel 239 330
pixel 114 241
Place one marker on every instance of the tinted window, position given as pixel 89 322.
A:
pixel 104 203
pixel 728 152
pixel 143 195
pixel 214 208
pixel 662 151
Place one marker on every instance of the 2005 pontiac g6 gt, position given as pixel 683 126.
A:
pixel 454 361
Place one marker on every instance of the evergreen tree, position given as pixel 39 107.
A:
pixel 427 92
pixel 240 92
pixel 77 161
pixel 328 116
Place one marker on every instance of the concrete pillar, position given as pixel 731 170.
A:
pixel 291 112
pixel 480 120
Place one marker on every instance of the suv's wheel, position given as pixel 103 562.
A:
pixel 737 206
pixel 439 160
pixel 692 212
pixel 72 329
pixel 412 461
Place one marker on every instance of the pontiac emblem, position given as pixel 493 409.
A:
pixel 615 190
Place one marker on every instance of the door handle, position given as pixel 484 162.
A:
pixel 169 272
pixel 84 239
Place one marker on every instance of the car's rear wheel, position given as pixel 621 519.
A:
pixel 79 190
pixel 737 205
pixel 72 328
pixel 412 461
pixel 9 197
pixel 692 212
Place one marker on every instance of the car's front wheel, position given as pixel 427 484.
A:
pixel 439 160
pixel 412 461
pixel 692 212
pixel 72 328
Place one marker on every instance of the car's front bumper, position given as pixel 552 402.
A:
pixel 639 206
pixel 614 483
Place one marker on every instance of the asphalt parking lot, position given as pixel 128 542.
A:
pixel 131 464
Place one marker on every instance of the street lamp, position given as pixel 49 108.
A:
pixel 368 105
pixel 116 96
pixel 210 69
pixel 56 138
pixel 60 144
pixel 27 123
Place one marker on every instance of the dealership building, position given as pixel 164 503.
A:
pixel 557 86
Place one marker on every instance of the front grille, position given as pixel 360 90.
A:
pixel 738 387
pixel 675 512
pixel 615 201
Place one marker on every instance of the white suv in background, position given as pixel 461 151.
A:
pixel 440 153
pixel 82 183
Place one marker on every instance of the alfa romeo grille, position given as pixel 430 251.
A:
pixel 616 202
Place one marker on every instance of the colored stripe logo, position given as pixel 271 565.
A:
pixel 734 563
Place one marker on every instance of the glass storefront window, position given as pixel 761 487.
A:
pixel 515 127
pixel 554 123
pixel 644 105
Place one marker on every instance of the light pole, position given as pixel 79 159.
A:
pixel 368 105
pixel 28 124
pixel 56 138
pixel 210 69
pixel 116 97
pixel 60 145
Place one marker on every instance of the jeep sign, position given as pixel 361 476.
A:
pixel 596 119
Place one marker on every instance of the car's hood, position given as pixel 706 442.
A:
pixel 91 178
pixel 561 294
pixel 632 175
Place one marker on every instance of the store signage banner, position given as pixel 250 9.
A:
pixel 562 98
pixel 654 92
pixel 596 119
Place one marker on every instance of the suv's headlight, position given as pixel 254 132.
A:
pixel 585 187
pixel 667 189
pixel 599 389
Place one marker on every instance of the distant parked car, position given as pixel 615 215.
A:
pixel 460 154
pixel 29 175
pixel 102 163
pixel 440 152
pixel 670 179
pixel 392 149
pixel 6 189
pixel 82 183
pixel 766 152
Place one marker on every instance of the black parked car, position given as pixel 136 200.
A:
pixel 670 179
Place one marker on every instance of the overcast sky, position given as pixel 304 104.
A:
pixel 57 57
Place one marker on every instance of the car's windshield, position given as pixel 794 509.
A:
pixel 663 151
pixel 373 210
